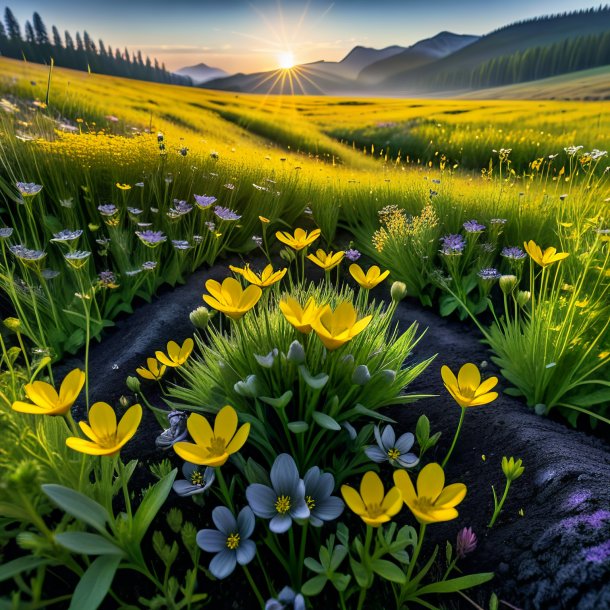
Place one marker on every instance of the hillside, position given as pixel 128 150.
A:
pixel 358 59
pixel 201 73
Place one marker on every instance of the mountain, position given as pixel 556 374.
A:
pixel 420 54
pixel 356 60
pixel 201 73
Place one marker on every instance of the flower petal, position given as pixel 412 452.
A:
pixel 261 500
pixel 223 564
pixel 71 386
pixel 403 481
pixel 245 552
pixel 280 523
pixel 430 481
pixel 245 522
pixel 353 500
pixel 451 496
pixel 225 423
pixel 371 488
pixel 211 540
pixel 200 430
pixel 224 520
pixel 284 475
pixel 237 442
pixel 102 420
pixel 129 423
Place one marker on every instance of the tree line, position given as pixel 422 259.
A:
pixel 78 53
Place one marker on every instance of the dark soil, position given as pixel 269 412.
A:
pixel 556 555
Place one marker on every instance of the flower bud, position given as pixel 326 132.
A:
pixel 13 324
pixel 508 283
pixel 296 353
pixel 124 401
pixel 388 375
pixel 466 542
pixel 247 388
pixel 288 255
pixel 523 296
pixel 200 317
pixel 512 470
pixel 133 383
pixel 398 291
pixel 361 375
pixel 268 360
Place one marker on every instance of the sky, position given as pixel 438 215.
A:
pixel 257 35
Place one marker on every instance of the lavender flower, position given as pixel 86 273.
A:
pixel 318 489
pixel 513 252
pixel 466 542
pixel 151 239
pixel 5 232
pixel 28 189
pixel 286 597
pixel 489 273
pixel 107 279
pixel 25 254
pixel 149 265
pixel 226 213
pixel 393 450
pixel 352 255
pixel 472 226
pixel 196 481
pixel 452 244
pixel 204 201
pixel 135 211
pixel 180 208
pixel 180 244
pixel 66 235
pixel 77 259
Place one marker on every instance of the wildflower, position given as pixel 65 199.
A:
pixel 135 211
pixel 155 369
pixel 512 469
pixel 211 226
pixel 264 220
pixel 195 480
pixel 286 597
pixel 28 189
pixel 546 258
pixel 372 278
pixel 5 232
pixel 230 541
pixel 390 449
pixel 284 500
pixel 200 317
pixel 225 213
pixel 433 502
pixel 257 240
pixel 266 278
pixel 398 291
pixel 229 186
pixel 452 245
pixel 46 400
pixel 66 235
pixel 466 542
pixel 372 505
pixel 107 209
pixel 230 298
pixel 213 447
pixel 296 353
pixel 112 118
pixel 106 438
pixel 77 259
pixel 26 255
pixel 301 239
pixel 151 239
pixel 508 283
pixel 489 273
pixel 267 361
pixel 66 203
pixel 472 226
pixel 467 390
pixel 180 208
pixel 49 274
pixel 513 253
pixel 123 187
pixel 302 318
pixel 334 328
pixel 180 244
pixel 326 261
pixel 498 221
pixel 318 489
pixel 352 255
pixel 177 355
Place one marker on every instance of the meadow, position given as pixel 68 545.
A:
pixel 490 212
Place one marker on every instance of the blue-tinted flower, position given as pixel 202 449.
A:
pixel 197 239
pixel 351 431
pixel 5 232
pixel 180 208
pixel 107 279
pixel 286 597
pixel 66 235
pixel 226 213
pixel 151 238
pixel 284 500
pixel 230 541
pixel 135 211
pixel 498 221
pixel 25 254
pixel 390 449
pixel 472 226
pixel 133 272
pixel 318 489
pixel 77 259
pixel 196 480
pixel 258 240
pixel 352 255
pixel 489 273
pixel 452 244
pixel 181 244
pixel 204 201
pixel 107 209
pixel 49 274
pixel 28 189
pixel 513 252
pixel 149 265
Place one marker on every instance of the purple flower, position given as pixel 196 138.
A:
pixel 489 273
pixel 226 213
pixel 352 255
pixel 393 450
pixel 107 209
pixel 25 254
pixel 5 232
pixel 286 597
pixel 107 278
pixel 180 208
pixel 149 265
pixel 181 244
pixel 151 238
pixel 204 201
pixel 28 189
pixel 452 244
pixel 472 226
pixel 196 480
pixel 318 489
pixel 466 542
pixel 513 252
pixel 66 235
pixel 230 541
pixel 135 211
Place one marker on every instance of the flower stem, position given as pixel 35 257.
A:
pixel 259 597
pixel 500 504
pixel 457 433
pixel 121 469
pixel 420 539
pixel 224 490
pixel 365 558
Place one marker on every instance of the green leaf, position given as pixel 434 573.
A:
pixel 343 534
pixel 298 427
pixel 314 585
pixel 313 565
pixel 339 553
pixel 422 430
pixel 255 473
pixel 388 570
pixel 315 382
pixel 87 543
pixel 278 403
pixel 447 306
pixel 78 505
pixel 362 410
pixel 95 583
pixel 456 584
pixel 340 581
pixel 362 576
pixel 22 564
pixel 513 392
pixel 325 421
pixel 152 503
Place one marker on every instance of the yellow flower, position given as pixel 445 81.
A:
pixel 300 239
pixel 264 220
pixel 106 438
pixel 338 327
pixel 123 187
pixel 372 278
pixel 433 502
pixel 371 505
pixel 213 447
pixel 154 371
pixel 301 318
pixel 176 354
pixel 266 278
pixel 326 261
pixel 467 390
pixel 231 298
pixel 46 399
pixel 546 258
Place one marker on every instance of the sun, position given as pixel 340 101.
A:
pixel 286 60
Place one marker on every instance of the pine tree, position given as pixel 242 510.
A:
pixel 56 38
pixel 29 33
pixel 69 41
pixel 40 30
pixel 12 25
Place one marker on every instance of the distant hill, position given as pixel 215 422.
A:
pixel 201 73
pixel 420 54
pixel 356 60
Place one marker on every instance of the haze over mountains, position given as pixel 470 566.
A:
pixel 201 73
pixel 538 48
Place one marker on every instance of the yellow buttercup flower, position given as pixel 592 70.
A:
pixel 301 239
pixel 326 261
pixel 301 318
pixel 334 328
pixel 372 504
pixel 467 390
pixel 230 298
pixel 213 447
pixel 106 438
pixel 177 355
pixel 546 258
pixel 123 187
pixel 155 369
pixel 265 278
pixel 433 502
pixel 264 220
pixel 372 278
pixel 46 400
